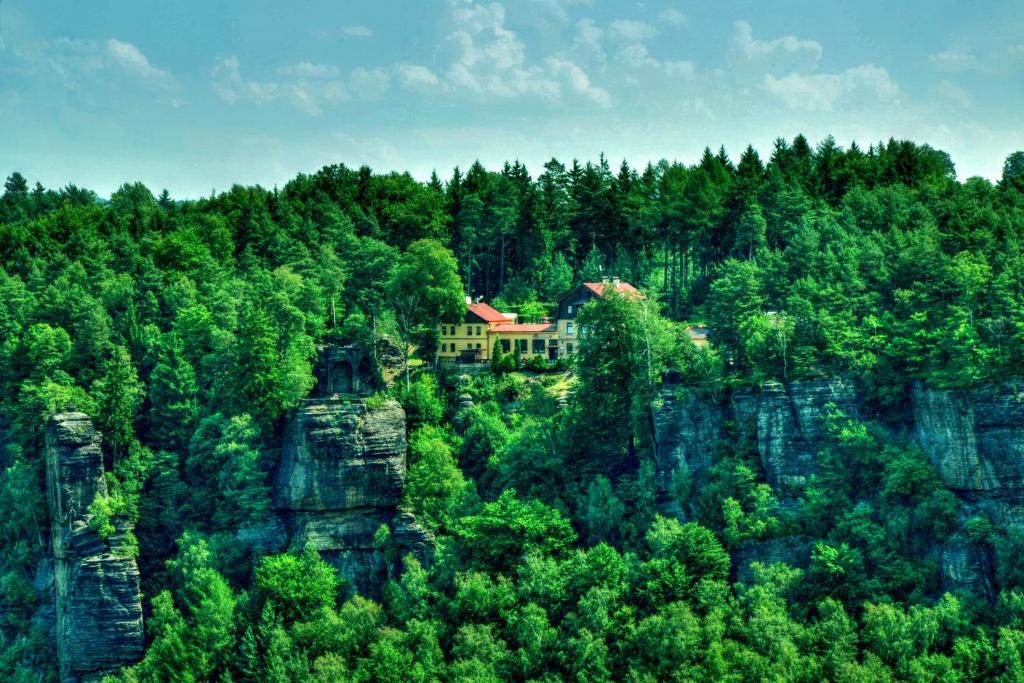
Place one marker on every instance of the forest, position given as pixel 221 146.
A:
pixel 188 330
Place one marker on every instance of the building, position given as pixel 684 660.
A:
pixel 569 306
pixel 698 334
pixel 470 342
pixel 484 327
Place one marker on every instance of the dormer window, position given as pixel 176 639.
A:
pixel 569 309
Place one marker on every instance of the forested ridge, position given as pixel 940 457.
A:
pixel 188 330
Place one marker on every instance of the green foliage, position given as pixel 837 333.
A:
pixel 296 585
pixel 188 329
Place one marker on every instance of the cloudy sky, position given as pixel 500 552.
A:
pixel 195 95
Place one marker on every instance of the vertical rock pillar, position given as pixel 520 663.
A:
pixel 96 580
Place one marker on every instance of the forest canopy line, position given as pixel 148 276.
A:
pixel 189 329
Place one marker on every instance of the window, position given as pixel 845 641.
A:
pixel 478 329
pixel 538 346
pixel 569 310
pixel 568 328
pixel 506 346
pixel 568 348
pixel 444 348
pixel 478 346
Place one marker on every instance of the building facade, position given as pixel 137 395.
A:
pixel 474 340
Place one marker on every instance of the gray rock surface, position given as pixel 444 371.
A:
pixel 686 429
pixel 974 439
pixel 341 477
pixel 96 580
pixel 790 422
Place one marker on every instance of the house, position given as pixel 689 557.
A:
pixel 470 341
pixel 484 328
pixel 570 304
pixel 698 334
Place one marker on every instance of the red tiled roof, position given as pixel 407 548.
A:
pixel 525 327
pixel 487 314
pixel 621 287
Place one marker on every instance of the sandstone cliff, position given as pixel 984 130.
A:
pixel 974 439
pixel 95 580
pixel 341 477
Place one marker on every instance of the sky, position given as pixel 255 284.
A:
pixel 196 95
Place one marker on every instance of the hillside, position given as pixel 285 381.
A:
pixel 832 488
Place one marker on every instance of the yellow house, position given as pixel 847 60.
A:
pixel 539 339
pixel 473 340
pixel 470 341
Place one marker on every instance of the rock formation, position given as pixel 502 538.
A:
pixel 974 439
pixel 686 428
pixel 340 479
pixel 95 580
pixel 787 420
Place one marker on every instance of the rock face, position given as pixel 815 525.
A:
pixel 786 420
pixel 341 477
pixel 790 422
pixel 686 429
pixel 96 580
pixel 974 439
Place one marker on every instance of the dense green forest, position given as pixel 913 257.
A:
pixel 188 330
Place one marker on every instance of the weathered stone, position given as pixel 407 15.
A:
pixel 966 565
pixel 340 455
pixel 410 537
pixel 96 580
pixel 340 479
pixel 974 439
pixel 265 536
pixel 790 427
pixel 686 429
pixel 794 551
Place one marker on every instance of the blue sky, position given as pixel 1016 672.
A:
pixel 194 96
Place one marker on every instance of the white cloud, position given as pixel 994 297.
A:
pixel 1017 49
pixel 580 82
pixel 952 60
pixel 672 17
pixel 76 60
pixel 588 39
pixel 781 54
pixel 343 32
pixel 305 86
pixel 357 31
pixel 417 76
pixel 489 59
pixel 639 57
pixel 952 93
pixel 309 70
pixel 129 58
pixel 856 87
pixel 370 84
pixel 630 30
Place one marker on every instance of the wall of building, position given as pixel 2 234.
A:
pixel 465 337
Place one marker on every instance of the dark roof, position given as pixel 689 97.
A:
pixel 487 313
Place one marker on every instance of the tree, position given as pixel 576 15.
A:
pixel 118 393
pixel 423 290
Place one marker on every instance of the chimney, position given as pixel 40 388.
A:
pixel 615 280
pixel 469 299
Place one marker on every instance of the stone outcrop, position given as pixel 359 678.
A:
pixel 95 580
pixel 974 439
pixel 340 478
pixel 787 421
pixel 965 565
pixel 686 429
pixel 790 426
